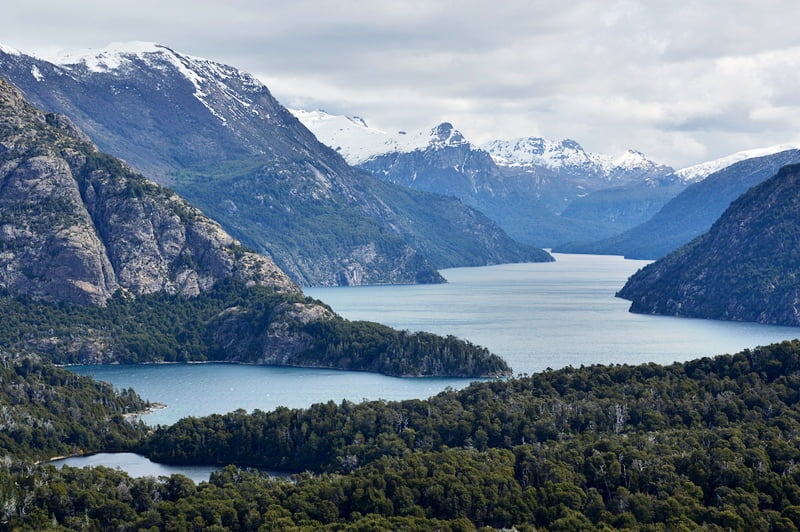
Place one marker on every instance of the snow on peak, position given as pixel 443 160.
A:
pixel 698 172
pixel 9 50
pixel 446 135
pixel 569 155
pixel 538 151
pixel 209 79
pixel 634 160
pixel 357 142
pixel 109 58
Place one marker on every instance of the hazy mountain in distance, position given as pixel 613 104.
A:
pixel 693 211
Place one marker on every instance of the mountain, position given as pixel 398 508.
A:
pixel 568 159
pixel 692 211
pixel 217 136
pixel 523 192
pixel 745 268
pixel 77 225
pixel 98 264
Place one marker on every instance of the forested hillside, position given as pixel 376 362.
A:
pixel 47 411
pixel 745 268
pixel 708 444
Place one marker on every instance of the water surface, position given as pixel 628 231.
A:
pixel 136 465
pixel 534 315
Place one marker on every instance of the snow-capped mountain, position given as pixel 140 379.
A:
pixel 357 142
pixel 698 172
pixel 231 95
pixel 218 137
pixel 569 156
pixel 524 189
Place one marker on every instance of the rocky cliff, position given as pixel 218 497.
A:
pixel 745 268
pixel 77 225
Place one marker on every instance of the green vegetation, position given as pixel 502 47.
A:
pixel 706 443
pixel 710 444
pixel 47 411
pixel 229 323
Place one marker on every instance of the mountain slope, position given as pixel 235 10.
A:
pixel 523 185
pixel 218 137
pixel 746 268
pixel 78 225
pixel 690 213
pixel 98 264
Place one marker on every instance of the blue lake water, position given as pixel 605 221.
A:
pixel 534 315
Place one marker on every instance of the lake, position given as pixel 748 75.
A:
pixel 136 465
pixel 535 316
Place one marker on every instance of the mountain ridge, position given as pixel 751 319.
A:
pixel 690 213
pixel 217 136
pixel 98 264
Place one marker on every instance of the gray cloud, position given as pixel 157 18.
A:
pixel 683 81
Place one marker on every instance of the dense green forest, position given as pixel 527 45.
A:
pixel 47 411
pixel 709 444
pixel 712 442
pixel 227 323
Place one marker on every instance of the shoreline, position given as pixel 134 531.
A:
pixel 154 407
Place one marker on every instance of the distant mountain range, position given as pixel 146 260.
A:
pixel 694 210
pixel 216 135
pixel 745 268
pixel 526 185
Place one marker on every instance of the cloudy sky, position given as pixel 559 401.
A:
pixel 683 81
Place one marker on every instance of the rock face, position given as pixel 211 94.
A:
pixel 217 136
pixel 76 225
pixel 746 268
pixel 691 212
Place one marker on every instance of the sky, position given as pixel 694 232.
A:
pixel 682 81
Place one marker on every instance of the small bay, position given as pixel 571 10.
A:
pixel 536 316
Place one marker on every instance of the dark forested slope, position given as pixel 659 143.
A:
pixel 47 411
pixel 707 444
pixel 746 268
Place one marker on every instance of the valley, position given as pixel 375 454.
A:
pixel 223 310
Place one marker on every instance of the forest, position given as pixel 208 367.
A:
pixel 708 444
pixel 161 327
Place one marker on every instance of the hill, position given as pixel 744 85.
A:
pixel 744 269
pixel 691 212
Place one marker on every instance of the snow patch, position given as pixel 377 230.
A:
pixel 9 50
pixel 36 73
pixel 357 142
pixel 209 79
pixel 698 172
